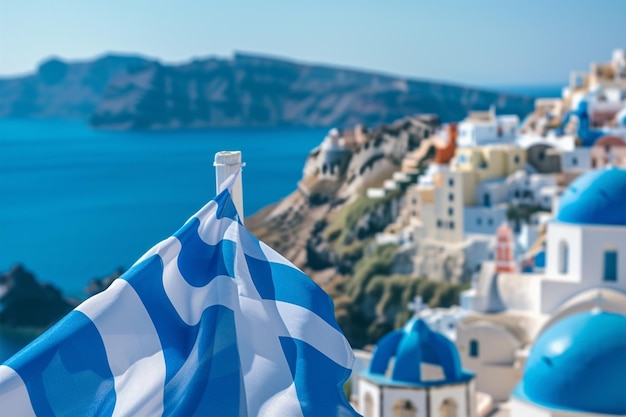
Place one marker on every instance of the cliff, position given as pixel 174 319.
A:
pixel 124 92
pixel 26 303
pixel 327 226
pixel 63 90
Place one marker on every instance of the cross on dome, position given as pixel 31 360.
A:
pixel 416 305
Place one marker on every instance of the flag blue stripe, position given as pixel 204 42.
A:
pixel 316 379
pixel 210 383
pixel 199 262
pixel 226 207
pixel 281 282
pixel 67 362
pixel 177 338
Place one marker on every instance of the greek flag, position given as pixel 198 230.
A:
pixel 209 322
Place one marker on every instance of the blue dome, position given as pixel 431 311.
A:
pixel 411 346
pixel 597 197
pixel 579 364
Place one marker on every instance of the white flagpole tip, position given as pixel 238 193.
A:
pixel 227 163
pixel 228 158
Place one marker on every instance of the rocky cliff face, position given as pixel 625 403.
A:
pixel 134 93
pixel 325 222
pixel 63 90
pixel 327 227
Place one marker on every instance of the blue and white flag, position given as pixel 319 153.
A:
pixel 209 322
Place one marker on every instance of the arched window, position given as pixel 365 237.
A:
pixel 448 408
pixel 404 408
pixel 368 407
pixel 563 257
pixel 473 348
pixel 610 265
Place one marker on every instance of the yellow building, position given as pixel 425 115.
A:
pixel 455 189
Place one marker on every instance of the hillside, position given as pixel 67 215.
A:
pixel 126 92
pixel 63 90
pixel 327 227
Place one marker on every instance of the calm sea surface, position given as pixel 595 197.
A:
pixel 76 203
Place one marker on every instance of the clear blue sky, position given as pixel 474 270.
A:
pixel 482 42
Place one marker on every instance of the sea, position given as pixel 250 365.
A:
pixel 76 203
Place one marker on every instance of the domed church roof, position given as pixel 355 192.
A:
pixel 579 364
pixel 597 197
pixel 411 346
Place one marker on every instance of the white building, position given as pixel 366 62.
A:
pixel 585 261
pixel 330 158
pixel 532 189
pixel 485 128
pixel 416 372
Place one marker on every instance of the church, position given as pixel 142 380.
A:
pixel 414 372
pixel 555 337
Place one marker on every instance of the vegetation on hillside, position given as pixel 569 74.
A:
pixel 372 302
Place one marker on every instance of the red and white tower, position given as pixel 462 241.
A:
pixel 505 260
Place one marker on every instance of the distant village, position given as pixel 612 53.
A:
pixel 532 213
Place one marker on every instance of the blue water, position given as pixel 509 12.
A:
pixel 544 91
pixel 76 203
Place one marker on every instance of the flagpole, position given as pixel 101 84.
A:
pixel 226 163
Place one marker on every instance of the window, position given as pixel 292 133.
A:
pixel 451 225
pixel 439 223
pixel 450 197
pixel 473 348
pixel 404 408
pixel 516 193
pixel 487 200
pixel 610 265
pixel 448 408
pixel 574 161
pixel 450 211
pixel 490 222
pixel 563 257
pixel 451 182
pixel 516 159
pixel 479 221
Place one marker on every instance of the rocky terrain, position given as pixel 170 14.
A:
pixel 129 92
pixel 97 285
pixel 63 90
pixel 327 228
pixel 27 303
